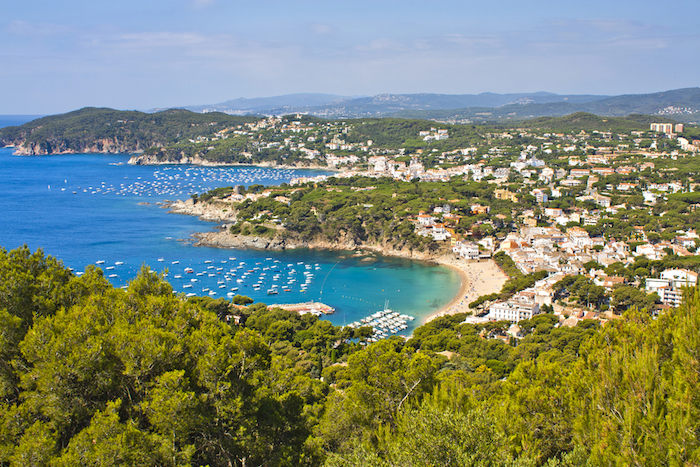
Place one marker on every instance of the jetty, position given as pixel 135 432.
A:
pixel 315 308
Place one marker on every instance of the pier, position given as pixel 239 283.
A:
pixel 315 308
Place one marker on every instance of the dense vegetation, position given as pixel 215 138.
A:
pixel 92 375
pixel 368 210
pixel 130 130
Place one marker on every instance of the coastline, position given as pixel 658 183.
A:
pixel 143 159
pixel 136 157
pixel 478 278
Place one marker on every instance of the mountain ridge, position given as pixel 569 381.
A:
pixel 683 104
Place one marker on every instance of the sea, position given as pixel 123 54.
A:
pixel 96 209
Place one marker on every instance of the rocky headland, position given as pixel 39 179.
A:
pixel 101 146
pixel 221 212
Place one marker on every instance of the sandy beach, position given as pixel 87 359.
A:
pixel 478 278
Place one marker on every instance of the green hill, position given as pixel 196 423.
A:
pixel 121 131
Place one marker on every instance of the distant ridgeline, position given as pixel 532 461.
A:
pixel 181 136
pixel 682 104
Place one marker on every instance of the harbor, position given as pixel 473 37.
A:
pixel 384 323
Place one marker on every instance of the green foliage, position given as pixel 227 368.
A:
pixel 338 210
pixel 379 380
pixel 129 130
pixel 433 435
pixel 632 391
pixel 94 375
pixel 626 297
pixel 588 122
pixel 507 265
pixel 141 377
pixel 517 283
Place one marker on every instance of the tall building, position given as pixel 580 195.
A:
pixel 662 127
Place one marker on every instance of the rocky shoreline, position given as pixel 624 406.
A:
pixel 109 146
pixel 225 239
pixel 152 159
pixel 102 146
pixel 222 212
pixel 477 278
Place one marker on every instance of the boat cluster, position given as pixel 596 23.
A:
pixel 384 323
pixel 226 277
pixel 179 181
pixel 109 270
pixel 270 275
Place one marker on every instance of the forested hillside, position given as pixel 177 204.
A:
pixel 124 131
pixel 92 375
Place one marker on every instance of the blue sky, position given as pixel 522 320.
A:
pixel 61 55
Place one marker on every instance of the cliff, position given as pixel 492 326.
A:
pixel 56 146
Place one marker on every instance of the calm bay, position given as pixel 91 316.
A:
pixel 91 208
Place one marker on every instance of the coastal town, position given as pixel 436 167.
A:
pixel 609 201
pixel 350 234
pixel 615 210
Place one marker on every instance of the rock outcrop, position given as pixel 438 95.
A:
pixel 103 146
pixel 211 211
pixel 181 159
pixel 225 239
pixel 223 213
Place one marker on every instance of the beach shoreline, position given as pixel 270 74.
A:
pixel 478 278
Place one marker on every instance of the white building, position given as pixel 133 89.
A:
pixel 669 286
pixel 466 250
pixel 517 308
pixel 680 277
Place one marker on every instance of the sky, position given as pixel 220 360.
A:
pixel 62 55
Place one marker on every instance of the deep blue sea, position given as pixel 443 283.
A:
pixel 88 209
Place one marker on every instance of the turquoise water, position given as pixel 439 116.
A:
pixel 85 209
